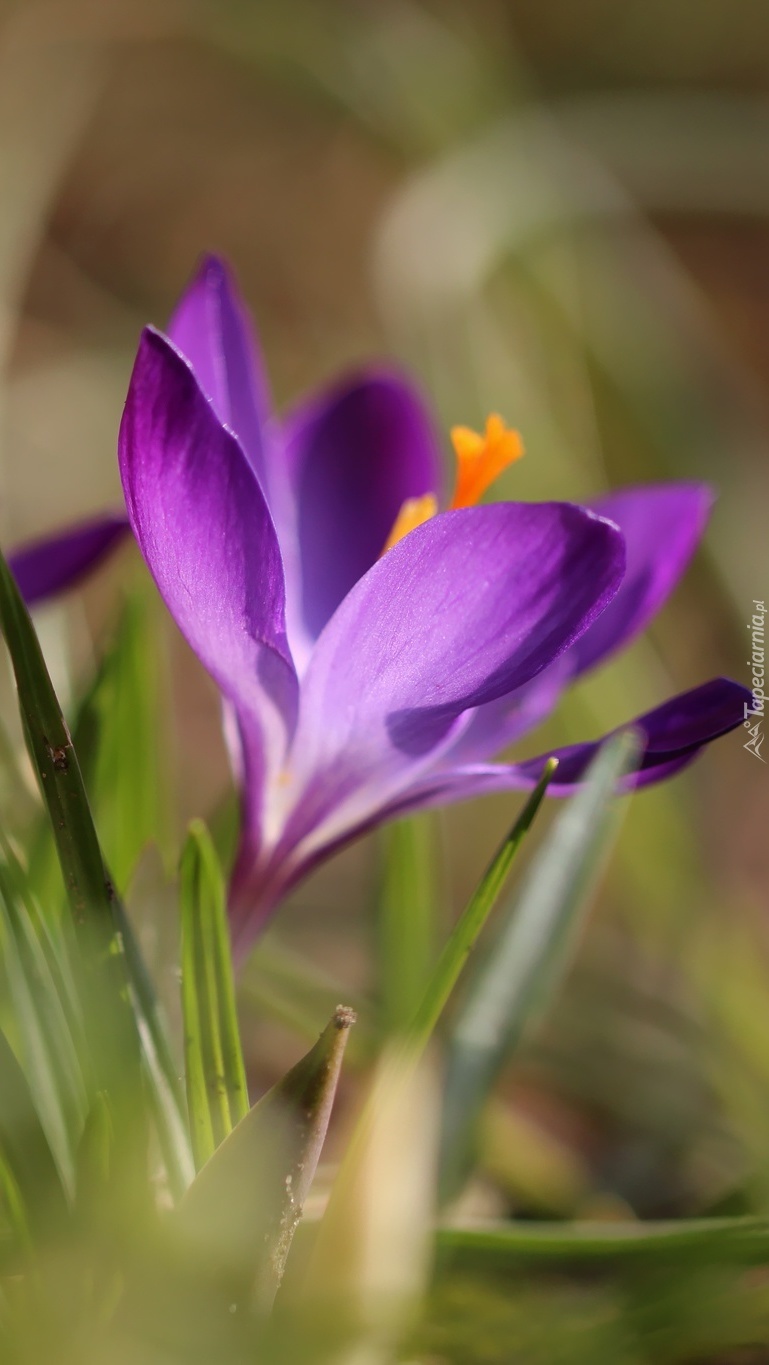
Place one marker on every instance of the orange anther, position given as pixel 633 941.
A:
pixel 481 459
pixel 413 513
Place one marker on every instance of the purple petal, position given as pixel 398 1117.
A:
pixel 211 327
pixel 54 563
pixel 674 734
pixel 469 606
pixel 202 523
pixel 662 525
pixel 500 723
pixel 355 455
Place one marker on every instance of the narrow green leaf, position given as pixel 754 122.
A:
pixel 54 938
pixel 406 919
pixel 119 736
pixel 202 1056
pixel 49 1055
pixel 218 939
pixel 25 1149
pixel 195 1052
pixel 241 1211
pixel 93 1163
pixel 15 1235
pixel 88 888
pixel 499 1247
pixel 517 980
pixel 109 950
pixel 217 1092
pixel 465 933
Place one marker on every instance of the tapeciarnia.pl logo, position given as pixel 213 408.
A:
pixel 754 713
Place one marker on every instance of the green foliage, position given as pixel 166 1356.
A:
pixel 511 989
pixel 217 1093
pixel 122 1020
pixel 407 918
pixel 45 1041
pixel 463 937
pixel 32 1186
pixel 120 736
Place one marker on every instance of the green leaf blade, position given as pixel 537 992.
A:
pixel 217 1095
pixel 47 1047
pixel 25 1150
pixel 55 763
pixel 118 734
pixel 406 919
pixel 465 934
pixel 504 1247
pixel 519 977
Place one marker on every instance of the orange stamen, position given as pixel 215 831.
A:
pixel 413 513
pixel 481 459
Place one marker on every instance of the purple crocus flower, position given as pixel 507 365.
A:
pixel 360 684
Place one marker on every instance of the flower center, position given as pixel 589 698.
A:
pixel 480 460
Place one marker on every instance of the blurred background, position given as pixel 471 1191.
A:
pixel 555 210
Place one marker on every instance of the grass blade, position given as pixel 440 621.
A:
pixel 465 933
pixel 55 940
pixel 24 1148
pixel 88 888
pixel 517 981
pixel 15 1238
pixel 407 919
pixel 217 1094
pixel 46 1044
pixel 499 1247
pixel 118 734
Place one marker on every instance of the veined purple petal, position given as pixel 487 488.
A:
pixel 201 520
pixel 355 455
pixel 59 561
pixel 211 327
pixel 499 723
pixel 674 734
pixel 662 525
pixel 466 608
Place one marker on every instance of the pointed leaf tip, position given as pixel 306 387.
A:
pixel 243 1208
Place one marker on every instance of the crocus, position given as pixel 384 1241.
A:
pixel 373 652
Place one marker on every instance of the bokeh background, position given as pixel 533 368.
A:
pixel 555 210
